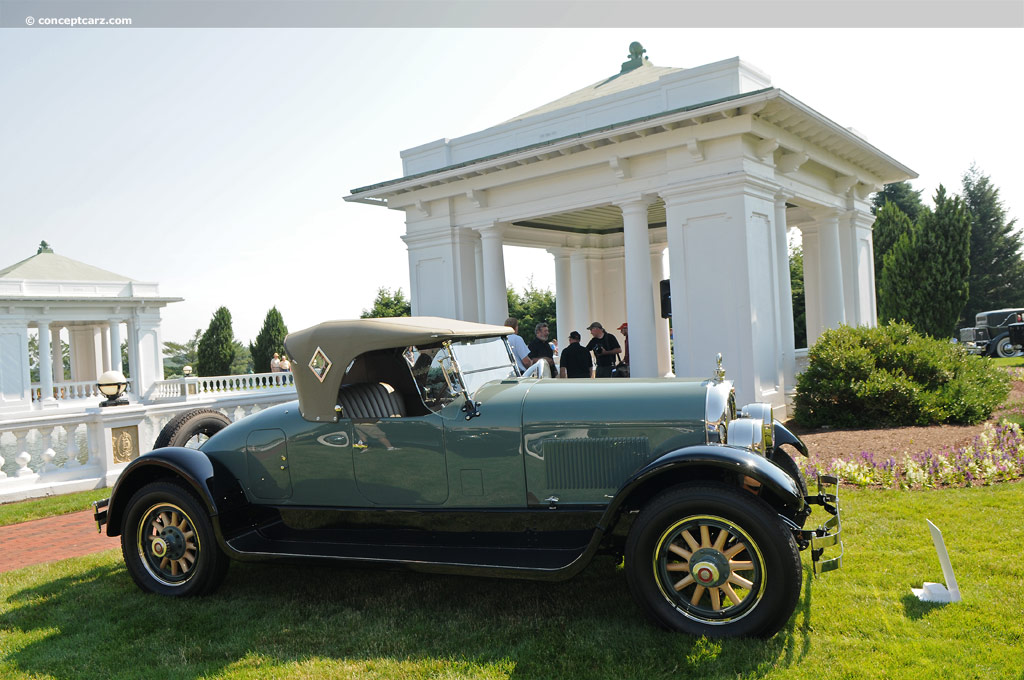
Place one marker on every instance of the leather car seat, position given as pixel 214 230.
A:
pixel 370 401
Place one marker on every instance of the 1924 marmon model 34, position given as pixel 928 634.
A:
pixel 416 442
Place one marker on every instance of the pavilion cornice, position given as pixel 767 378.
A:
pixel 781 121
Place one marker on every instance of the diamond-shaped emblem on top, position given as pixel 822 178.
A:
pixel 319 364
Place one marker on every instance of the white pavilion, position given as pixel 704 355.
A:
pixel 712 164
pixel 92 311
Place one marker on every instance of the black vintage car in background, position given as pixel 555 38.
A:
pixel 991 333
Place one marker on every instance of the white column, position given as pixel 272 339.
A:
pixel 812 282
pixel 115 345
pixel 133 353
pixel 45 364
pixel 643 350
pixel 105 352
pixel 495 295
pixel 661 330
pixel 833 302
pixel 56 355
pixel 478 254
pixel 787 342
pixel 563 296
pixel 580 290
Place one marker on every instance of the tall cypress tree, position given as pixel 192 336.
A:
pixel 925 275
pixel 217 346
pixel 890 223
pixel 997 271
pixel 269 340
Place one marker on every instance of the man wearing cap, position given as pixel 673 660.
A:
pixel 605 347
pixel 575 361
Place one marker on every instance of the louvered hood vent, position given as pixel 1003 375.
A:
pixel 599 463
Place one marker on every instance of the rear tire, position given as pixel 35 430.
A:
pixel 191 428
pixel 713 560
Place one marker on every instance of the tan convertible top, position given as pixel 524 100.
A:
pixel 319 355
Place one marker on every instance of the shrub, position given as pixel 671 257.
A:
pixel 891 375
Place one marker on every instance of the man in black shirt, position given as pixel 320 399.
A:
pixel 539 346
pixel 575 362
pixel 605 347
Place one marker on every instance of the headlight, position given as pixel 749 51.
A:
pixel 762 411
pixel 748 433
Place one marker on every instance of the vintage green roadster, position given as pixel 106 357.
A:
pixel 415 442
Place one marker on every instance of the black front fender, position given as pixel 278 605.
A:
pixel 211 482
pixel 716 456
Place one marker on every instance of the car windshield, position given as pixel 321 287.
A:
pixel 480 362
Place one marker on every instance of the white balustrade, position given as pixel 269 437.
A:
pixel 69 391
pixel 46 452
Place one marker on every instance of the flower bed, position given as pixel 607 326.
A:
pixel 996 455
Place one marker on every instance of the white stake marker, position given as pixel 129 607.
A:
pixel 936 592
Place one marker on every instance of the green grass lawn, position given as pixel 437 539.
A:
pixel 84 618
pixel 36 508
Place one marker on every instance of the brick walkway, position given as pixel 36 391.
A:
pixel 49 539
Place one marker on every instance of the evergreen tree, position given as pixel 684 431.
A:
pixel 388 304
pixel 533 307
pixel 924 276
pixel 906 198
pixel 796 283
pixel 890 223
pixel 997 271
pixel 217 346
pixel 269 340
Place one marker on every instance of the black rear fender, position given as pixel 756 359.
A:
pixel 212 483
pixel 711 462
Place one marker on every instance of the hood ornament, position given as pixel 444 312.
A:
pixel 719 369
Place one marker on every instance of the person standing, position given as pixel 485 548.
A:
pixel 575 361
pixel 604 346
pixel 275 363
pixel 622 369
pixel 518 345
pixel 540 348
pixel 286 366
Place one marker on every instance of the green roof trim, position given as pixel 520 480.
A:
pixel 550 142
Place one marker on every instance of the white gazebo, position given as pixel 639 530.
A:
pixel 711 163
pixel 94 309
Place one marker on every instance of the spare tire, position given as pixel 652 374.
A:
pixel 191 428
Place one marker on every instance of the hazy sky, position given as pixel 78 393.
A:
pixel 214 161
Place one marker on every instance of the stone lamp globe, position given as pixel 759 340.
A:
pixel 112 385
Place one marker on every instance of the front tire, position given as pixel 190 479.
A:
pixel 169 544
pixel 713 560
pixel 1004 348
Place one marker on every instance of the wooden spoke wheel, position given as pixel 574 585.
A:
pixel 711 559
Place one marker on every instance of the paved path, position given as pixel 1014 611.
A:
pixel 52 538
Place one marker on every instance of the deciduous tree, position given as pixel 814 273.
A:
pixel 906 198
pixel 387 304
pixel 532 307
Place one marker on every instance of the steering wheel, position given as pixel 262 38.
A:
pixel 539 369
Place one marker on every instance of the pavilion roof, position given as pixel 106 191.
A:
pixel 49 266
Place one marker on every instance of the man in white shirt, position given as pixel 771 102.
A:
pixel 519 348
pixel 275 363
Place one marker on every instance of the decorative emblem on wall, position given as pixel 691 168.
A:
pixel 319 364
pixel 126 443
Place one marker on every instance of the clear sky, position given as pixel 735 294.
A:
pixel 214 161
